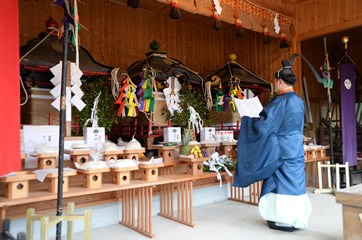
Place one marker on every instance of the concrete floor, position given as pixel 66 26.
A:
pixel 233 220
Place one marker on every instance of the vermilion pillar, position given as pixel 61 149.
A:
pixel 10 88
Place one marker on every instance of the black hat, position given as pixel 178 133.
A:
pixel 286 73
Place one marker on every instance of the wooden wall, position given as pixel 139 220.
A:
pixel 118 36
pixel 317 18
pixel 320 17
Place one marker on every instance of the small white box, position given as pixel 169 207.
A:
pixel 94 135
pixel 226 136
pixel 172 134
pixel 207 133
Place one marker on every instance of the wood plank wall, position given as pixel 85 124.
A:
pixel 119 36
pixel 317 18
pixel 320 17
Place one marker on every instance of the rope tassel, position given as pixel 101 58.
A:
pixel 240 31
pixel 175 11
pixel 283 40
pixel 133 3
pixel 266 38
pixel 217 23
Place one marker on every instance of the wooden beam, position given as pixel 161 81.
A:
pixel 249 20
pixel 331 29
pixel 271 5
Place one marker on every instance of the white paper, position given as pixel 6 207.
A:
pixel 77 91
pixel 41 174
pixel 68 105
pixel 56 91
pixel 153 161
pixel 76 74
pixel 78 103
pixel 248 107
pixel 56 103
pixel 123 163
pixel 57 69
pixel 56 80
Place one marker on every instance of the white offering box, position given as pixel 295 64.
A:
pixel 172 134
pixel 207 133
pixel 94 135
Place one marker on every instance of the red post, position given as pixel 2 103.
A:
pixel 169 122
pixel 50 119
pixel 135 127
pixel 149 127
pixel 222 125
pixel 10 88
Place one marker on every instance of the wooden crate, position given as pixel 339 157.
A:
pixel 149 172
pixel 79 156
pixel 52 181
pixel 93 177
pixel 210 147
pixel 228 148
pixel 195 166
pixel 17 186
pixel 166 152
pixel 133 154
pixel 112 154
pixel 122 176
pixel 46 160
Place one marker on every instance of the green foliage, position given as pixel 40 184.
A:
pixel 195 98
pixel 106 110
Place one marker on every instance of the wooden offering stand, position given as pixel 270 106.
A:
pixel 46 160
pixel 228 148
pixel 194 165
pixel 93 177
pixel 17 186
pixel 149 172
pixel 166 152
pixel 52 181
pixel 122 176
pixel 210 147
pixel 351 199
pixel 23 156
pixel 79 156
pixel 133 154
pixel 112 154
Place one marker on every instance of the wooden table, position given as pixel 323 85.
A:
pixel 351 199
pixel 136 195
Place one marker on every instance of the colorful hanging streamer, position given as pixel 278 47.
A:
pixel 219 99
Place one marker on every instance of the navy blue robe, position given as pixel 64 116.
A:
pixel 270 148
